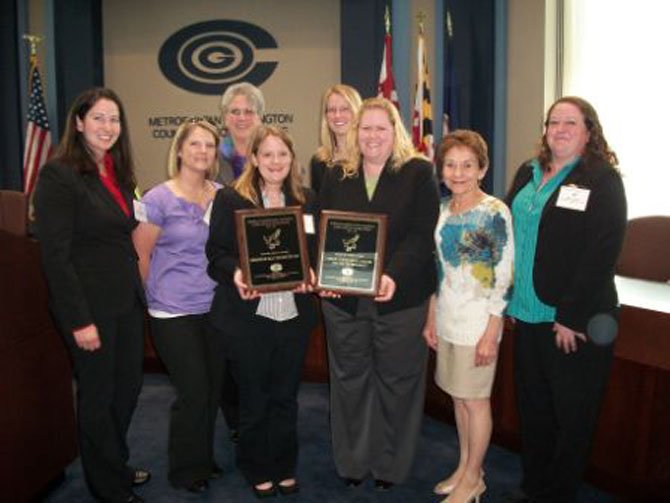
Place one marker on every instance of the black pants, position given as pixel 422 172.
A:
pixel 230 400
pixel 192 353
pixel 558 398
pixel 269 358
pixel 108 384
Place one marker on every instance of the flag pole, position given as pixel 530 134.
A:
pixel 33 41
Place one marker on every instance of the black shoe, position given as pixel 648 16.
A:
pixel 350 482
pixel 515 496
pixel 196 487
pixel 216 473
pixel 265 493
pixel 140 476
pixel 134 498
pixel 234 436
pixel 383 485
pixel 290 489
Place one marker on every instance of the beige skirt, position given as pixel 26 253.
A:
pixel 456 373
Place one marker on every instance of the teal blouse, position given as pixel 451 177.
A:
pixel 526 213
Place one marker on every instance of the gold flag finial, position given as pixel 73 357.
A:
pixel 33 40
pixel 387 20
pixel 421 16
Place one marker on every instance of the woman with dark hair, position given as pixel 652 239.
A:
pixel 84 218
pixel 170 242
pixel 475 248
pixel 569 211
pixel 339 106
pixel 268 333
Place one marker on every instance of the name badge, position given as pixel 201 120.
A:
pixel 573 198
pixel 308 221
pixel 140 210
pixel 208 213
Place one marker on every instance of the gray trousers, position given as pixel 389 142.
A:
pixel 377 387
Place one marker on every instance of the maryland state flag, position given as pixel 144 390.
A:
pixel 386 87
pixel 422 118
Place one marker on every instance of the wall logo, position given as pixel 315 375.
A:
pixel 207 57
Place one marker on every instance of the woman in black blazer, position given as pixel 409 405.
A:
pixel 376 355
pixel 84 218
pixel 268 333
pixel 569 212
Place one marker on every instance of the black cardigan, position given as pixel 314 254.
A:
pixel 577 250
pixel 410 199
pixel 229 310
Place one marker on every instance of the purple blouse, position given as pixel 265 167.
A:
pixel 178 282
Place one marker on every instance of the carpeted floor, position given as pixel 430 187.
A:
pixel 437 454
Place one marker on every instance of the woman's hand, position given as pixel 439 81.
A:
pixel 307 286
pixel 386 290
pixel 87 338
pixel 429 329
pixel 245 292
pixel 566 338
pixel 486 350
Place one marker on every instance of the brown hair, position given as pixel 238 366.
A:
pixel 249 184
pixel 73 150
pixel 596 147
pixel 463 138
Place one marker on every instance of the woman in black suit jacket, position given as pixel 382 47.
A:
pixel 268 333
pixel 84 218
pixel 376 355
pixel 569 211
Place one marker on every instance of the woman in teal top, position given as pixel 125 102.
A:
pixel 569 212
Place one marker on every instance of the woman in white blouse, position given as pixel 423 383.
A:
pixel 475 249
pixel 268 333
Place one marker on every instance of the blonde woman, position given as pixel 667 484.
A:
pixel 267 332
pixel 170 242
pixel 339 106
pixel 377 358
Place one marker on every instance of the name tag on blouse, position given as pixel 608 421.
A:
pixel 573 198
pixel 308 221
pixel 208 214
pixel 140 211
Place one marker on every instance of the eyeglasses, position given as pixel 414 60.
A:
pixel 238 112
pixel 334 110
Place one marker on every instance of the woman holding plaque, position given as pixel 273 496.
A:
pixel 475 249
pixel 377 357
pixel 569 210
pixel 170 241
pixel 267 331
pixel 339 106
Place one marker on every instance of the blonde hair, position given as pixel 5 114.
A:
pixel 249 184
pixel 327 141
pixel 180 136
pixel 403 149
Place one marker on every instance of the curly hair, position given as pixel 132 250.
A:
pixel 463 138
pixel 596 147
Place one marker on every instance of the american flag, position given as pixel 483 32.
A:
pixel 422 118
pixel 386 86
pixel 38 135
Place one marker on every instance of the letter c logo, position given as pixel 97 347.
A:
pixel 207 57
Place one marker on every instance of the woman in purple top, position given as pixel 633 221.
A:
pixel 170 241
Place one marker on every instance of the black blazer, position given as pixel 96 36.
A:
pixel 410 199
pixel 87 252
pixel 577 250
pixel 228 308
